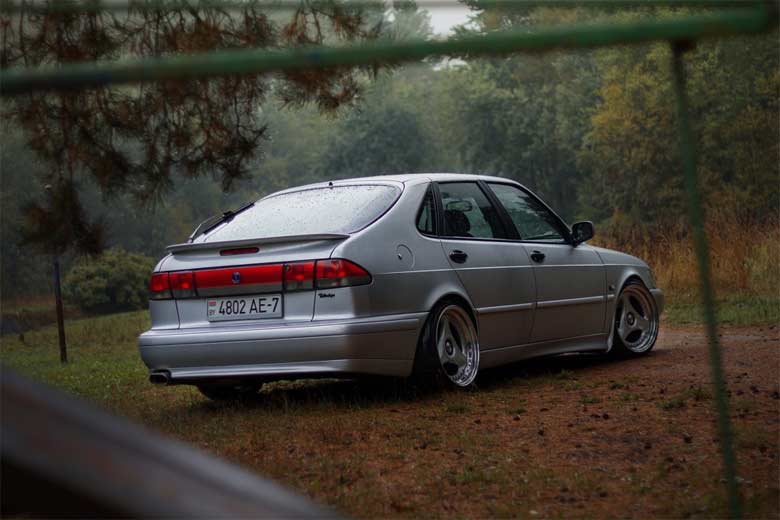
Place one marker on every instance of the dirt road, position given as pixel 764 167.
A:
pixel 578 436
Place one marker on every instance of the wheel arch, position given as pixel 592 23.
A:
pixel 628 274
pixel 422 362
pixel 446 294
pixel 461 300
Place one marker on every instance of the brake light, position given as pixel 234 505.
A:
pixel 240 251
pixel 299 276
pixel 182 284
pixel 159 287
pixel 340 273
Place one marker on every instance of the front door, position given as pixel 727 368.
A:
pixel 495 271
pixel 570 281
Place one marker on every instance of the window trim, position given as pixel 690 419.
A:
pixel 489 195
pixel 566 230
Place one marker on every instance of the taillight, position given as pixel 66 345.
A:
pixel 293 276
pixel 182 284
pixel 159 287
pixel 299 276
pixel 239 280
pixel 340 273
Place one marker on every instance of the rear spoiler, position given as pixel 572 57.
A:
pixel 200 246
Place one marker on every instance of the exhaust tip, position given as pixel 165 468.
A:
pixel 159 378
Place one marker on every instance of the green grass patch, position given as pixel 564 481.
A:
pixel 740 311
pixel 589 399
pixel 696 393
pixel 103 360
pixel 457 408
pixel 629 397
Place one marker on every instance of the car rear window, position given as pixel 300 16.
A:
pixel 337 209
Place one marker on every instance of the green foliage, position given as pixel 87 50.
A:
pixel 630 154
pixel 594 133
pixel 114 280
pixel 380 139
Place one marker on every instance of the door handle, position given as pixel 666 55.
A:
pixel 458 256
pixel 537 256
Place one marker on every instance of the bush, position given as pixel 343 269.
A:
pixel 114 280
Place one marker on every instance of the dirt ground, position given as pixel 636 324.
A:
pixel 573 436
pixel 578 436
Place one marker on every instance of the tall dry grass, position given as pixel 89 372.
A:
pixel 744 256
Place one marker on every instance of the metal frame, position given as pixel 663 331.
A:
pixel 88 463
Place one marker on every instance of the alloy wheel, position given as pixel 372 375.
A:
pixel 457 345
pixel 636 319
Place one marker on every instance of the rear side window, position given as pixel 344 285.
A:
pixel 337 209
pixel 425 218
pixel 468 212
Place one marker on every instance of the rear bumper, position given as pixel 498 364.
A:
pixel 378 346
pixel 658 295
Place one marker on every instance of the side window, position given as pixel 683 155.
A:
pixel 532 220
pixel 425 217
pixel 468 212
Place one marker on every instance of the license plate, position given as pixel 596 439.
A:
pixel 244 307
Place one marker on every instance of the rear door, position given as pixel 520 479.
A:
pixel 495 271
pixel 570 281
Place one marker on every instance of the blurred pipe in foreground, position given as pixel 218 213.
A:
pixel 64 458
pixel 18 81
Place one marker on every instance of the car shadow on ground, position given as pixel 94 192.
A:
pixel 380 391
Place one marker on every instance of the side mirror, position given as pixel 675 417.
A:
pixel 582 232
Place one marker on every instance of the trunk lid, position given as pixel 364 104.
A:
pixel 234 270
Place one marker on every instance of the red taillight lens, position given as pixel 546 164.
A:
pixel 293 276
pixel 299 276
pixel 159 287
pixel 182 284
pixel 239 280
pixel 340 273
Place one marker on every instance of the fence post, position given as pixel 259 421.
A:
pixel 58 306
pixel 701 247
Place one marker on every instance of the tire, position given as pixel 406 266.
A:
pixel 636 321
pixel 448 349
pixel 224 392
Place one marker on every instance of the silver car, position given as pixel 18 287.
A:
pixel 438 275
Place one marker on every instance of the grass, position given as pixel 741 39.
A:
pixel 104 366
pixel 737 311
pixel 589 399
pixel 695 393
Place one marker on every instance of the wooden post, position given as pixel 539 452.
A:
pixel 60 318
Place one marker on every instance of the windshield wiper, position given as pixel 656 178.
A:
pixel 215 220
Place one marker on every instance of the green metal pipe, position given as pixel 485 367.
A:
pixel 701 247
pixel 92 6
pixel 254 61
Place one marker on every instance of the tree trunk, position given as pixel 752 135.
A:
pixel 60 318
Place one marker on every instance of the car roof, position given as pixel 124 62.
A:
pixel 400 178
pixel 410 177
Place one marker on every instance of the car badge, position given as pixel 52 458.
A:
pixel 236 277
